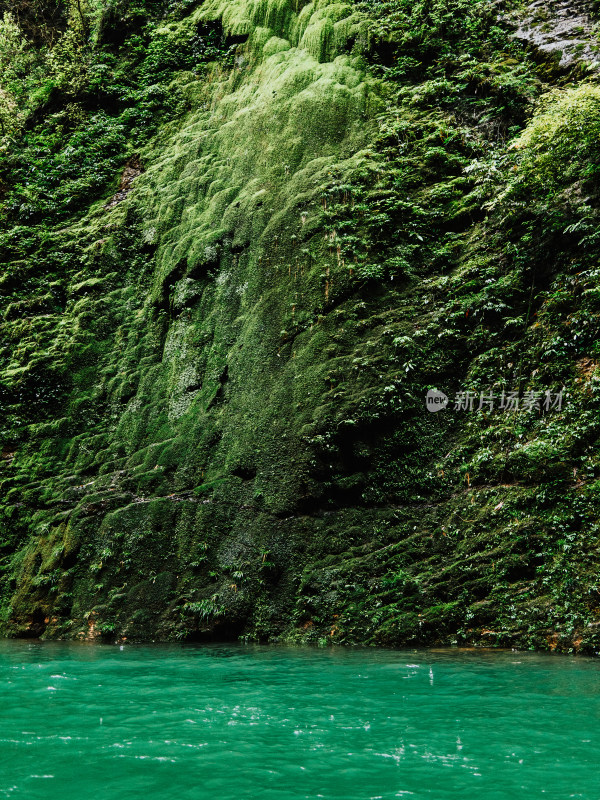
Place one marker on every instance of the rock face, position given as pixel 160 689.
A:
pixel 132 170
pixel 566 30
pixel 213 390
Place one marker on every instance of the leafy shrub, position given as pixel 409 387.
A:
pixel 561 144
pixel 53 181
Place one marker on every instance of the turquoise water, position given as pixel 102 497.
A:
pixel 99 722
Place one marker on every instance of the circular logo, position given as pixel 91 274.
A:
pixel 435 400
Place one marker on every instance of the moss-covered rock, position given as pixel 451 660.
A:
pixel 213 383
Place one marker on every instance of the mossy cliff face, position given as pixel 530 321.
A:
pixel 213 385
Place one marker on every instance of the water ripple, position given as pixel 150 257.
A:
pixel 238 723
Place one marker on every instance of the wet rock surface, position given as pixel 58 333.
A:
pixel 133 168
pixel 566 30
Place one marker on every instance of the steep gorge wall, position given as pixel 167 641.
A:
pixel 222 429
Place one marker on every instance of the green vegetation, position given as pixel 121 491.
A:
pixel 240 241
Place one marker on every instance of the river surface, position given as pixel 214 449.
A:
pixel 243 722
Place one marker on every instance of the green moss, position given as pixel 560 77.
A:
pixel 212 391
